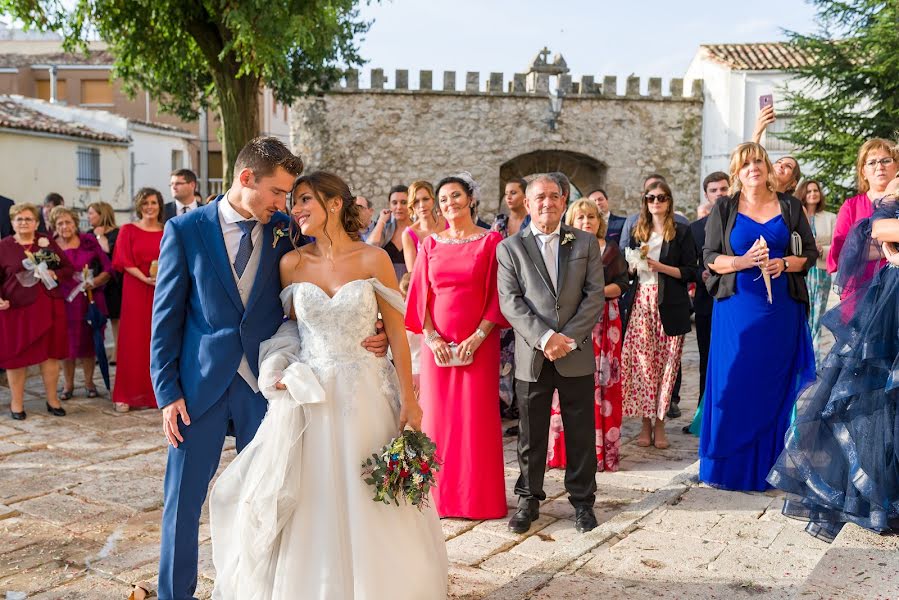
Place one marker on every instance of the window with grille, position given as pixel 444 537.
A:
pixel 177 159
pixel 88 166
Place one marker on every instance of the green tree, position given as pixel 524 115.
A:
pixel 853 92
pixel 215 54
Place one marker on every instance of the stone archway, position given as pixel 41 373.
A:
pixel 585 172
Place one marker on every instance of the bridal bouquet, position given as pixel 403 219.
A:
pixel 404 468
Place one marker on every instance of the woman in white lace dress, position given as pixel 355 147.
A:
pixel 291 517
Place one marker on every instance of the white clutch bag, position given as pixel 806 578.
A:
pixel 456 360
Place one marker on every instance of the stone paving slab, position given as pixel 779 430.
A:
pixel 81 496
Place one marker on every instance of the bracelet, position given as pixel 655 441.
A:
pixel 480 333
pixel 429 339
pixel 733 264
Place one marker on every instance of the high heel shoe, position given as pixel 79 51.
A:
pixel 17 416
pixel 56 412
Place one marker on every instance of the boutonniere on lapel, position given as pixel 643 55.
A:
pixel 568 237
pixel 278 233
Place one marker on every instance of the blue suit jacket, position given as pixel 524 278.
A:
pixel 616 224
pixel 200 327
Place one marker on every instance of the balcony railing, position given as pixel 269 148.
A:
pixel 216 187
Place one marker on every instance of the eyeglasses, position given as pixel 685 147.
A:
pixel 24 220
pixel 656 199
pixel 883 162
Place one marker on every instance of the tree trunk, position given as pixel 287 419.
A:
pixel 239 111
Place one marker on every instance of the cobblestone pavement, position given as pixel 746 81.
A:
pixel 81 496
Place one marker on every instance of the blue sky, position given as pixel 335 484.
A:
pixel 652 38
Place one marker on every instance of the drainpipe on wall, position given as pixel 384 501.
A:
pixel 204 151
pixel 53 74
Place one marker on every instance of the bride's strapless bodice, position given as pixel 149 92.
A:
pixel 332 328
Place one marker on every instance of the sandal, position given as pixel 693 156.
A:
pixel 141 591
pixel 92 393
pixel 121 407
pixel 66 394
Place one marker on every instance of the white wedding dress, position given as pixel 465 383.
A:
pixel 291 517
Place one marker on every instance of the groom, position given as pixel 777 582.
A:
pixel 216 300
pixel 550 283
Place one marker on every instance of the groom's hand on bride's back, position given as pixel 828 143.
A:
pixel 377 343
pixel 170 414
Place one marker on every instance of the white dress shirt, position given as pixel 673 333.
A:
pixel 553 242
pixel 655 251
pixel 180 209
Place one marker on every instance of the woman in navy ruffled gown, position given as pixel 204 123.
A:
pixel 841 460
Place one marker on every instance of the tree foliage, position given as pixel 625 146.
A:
pixel 853 91
pixel 211 53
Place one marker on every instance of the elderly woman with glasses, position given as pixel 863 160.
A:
pixel 664 265
pixel 32 308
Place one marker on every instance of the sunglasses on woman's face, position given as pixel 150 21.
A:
pixel 656 199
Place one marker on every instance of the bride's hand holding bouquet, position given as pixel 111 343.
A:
pixel 410 414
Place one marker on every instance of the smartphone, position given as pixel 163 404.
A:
pixel 766 100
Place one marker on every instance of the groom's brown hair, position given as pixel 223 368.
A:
pixel 263 155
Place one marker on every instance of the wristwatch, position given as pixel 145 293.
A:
pixel 480 333
pixel 786 264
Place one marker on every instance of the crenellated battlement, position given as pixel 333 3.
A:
pixel 521 84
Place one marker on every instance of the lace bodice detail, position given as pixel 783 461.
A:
pixel 332 328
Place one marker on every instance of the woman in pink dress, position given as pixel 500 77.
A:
pixel 584 214
pixel 876 166
pixel 136 250
pixel 453 302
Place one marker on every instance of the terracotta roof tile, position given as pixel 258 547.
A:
pixel 774 56
pixel 94 57
pixel 14 115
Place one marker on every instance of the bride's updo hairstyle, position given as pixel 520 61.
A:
pixel 327 186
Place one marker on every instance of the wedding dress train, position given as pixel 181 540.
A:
pixel 291 517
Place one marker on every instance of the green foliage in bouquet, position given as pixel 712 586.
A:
pixel 404 469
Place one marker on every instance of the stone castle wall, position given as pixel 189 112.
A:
pixel 378 137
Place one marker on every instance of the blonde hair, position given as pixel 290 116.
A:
pixel 61 211
pixel 15 209
pixel 741 155
pixel 643 228
pixel 107 215
pixel 413 191
pixel 863 152
pixel 586 205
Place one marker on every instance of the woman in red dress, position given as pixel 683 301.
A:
pixel 136 251
pixel 32 317
pixel 584 214
pixel 453 300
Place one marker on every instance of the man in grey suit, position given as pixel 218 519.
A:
pixel 550 284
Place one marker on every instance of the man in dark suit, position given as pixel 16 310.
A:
pixel 615 223
pixel 183 184
pixel 5 222
pixel 714 186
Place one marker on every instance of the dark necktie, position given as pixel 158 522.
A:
pixel 246 246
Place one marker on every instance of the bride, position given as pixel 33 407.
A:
pixel 291 516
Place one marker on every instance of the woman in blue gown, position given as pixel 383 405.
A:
pixel 761 353
pixel 841 460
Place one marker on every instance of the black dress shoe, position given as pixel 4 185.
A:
pixel 17 416
pixel 56 412
pixel 511 431
pixel 673 411
pixel 584 519
pixel 524 516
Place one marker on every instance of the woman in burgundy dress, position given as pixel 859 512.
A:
pixel 454 303
pixel 584 215
pixel 82 251
pixel 32 316
pixel 136 252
